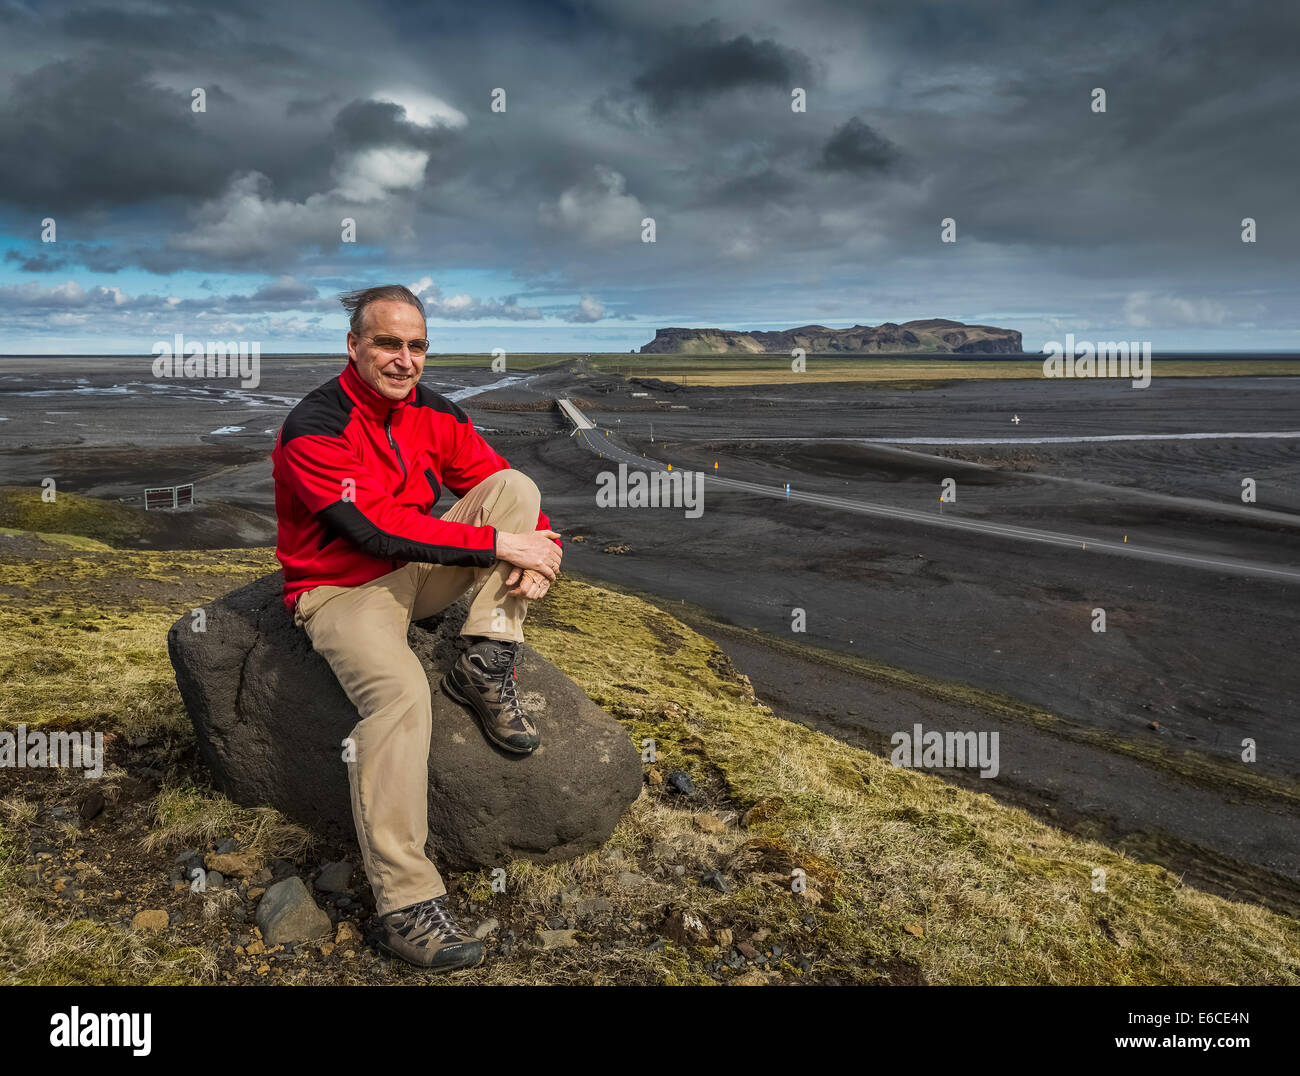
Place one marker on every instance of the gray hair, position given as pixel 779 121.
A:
pixel 355 302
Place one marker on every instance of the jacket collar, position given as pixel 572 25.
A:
pixel 375 405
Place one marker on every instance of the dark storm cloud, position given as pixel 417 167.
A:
pixel 362 124
pixel 620 110
pixel 310 106
pixel 701 62
pixel 179 31
pixel 95 131
pixel 36 263
pixel 855 147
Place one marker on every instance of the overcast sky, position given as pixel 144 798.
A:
pixel 522 228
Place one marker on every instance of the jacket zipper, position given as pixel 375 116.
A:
pixel 388 430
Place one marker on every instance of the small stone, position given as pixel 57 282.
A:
pixel 680 871
pixel 805 965
pixel 715 880
pixel 557 922
pixel 761 935
pixel 655 777
pixel 59 812
pixel 679 781
pixel 335 877
pixel 326 948
pixel 287 912
pixel 631 880
pixel 488 926
pixel 255 947
pixel 709 823
pixel 256 892
pixel 753 977
pixel 685 927
pixel 747 950
pixel 914 929
pixel 724 938
pixel 262 877
pixel 150 919
pixel 347 934
pixel 91 806
pixel 225 846
pixel 556 939
pixel 236 864
pixel 214 880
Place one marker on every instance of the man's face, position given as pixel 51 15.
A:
pixel 390 373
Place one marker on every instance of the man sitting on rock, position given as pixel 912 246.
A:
pixel 358 466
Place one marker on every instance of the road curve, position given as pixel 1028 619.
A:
pixel 604 444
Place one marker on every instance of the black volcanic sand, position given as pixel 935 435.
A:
pixel 1192 660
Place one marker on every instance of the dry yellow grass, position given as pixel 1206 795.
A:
pixel 917 880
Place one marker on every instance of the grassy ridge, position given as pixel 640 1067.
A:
pixel 910 878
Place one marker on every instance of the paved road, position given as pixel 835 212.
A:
pixel 604 444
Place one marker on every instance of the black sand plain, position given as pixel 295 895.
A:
pixel 1144 749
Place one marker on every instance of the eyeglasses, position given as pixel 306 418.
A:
pixel 394 344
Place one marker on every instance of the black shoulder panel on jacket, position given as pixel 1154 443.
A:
pixel 426 397
pixel 347 519
pixel 324 411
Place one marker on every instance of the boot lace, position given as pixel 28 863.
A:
pixel 430 917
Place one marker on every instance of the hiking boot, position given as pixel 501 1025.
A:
pixel 484 679
pixel 425 934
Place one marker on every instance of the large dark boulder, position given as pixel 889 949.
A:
pixel 270 718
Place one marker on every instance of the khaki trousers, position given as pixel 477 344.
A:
pixel 361 632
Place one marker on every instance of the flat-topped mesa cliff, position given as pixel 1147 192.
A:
pixel 937 335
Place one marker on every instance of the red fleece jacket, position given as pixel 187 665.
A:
pixel 356 480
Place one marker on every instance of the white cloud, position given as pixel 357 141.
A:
pixel 588 309
pixel 424 109
pixel 247 222
pixel 466 307
pixel 372 174
pixel 1146 310
pixel 598 209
